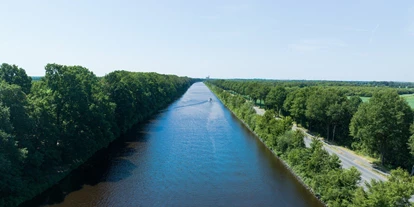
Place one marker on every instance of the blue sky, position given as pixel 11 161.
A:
pixel 328 40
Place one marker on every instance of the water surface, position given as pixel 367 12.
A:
pixel 195 153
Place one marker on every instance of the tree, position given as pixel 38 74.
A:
pixel 394 193
pixel 262 92
pixel 337 186
pixel 15 99
pixel 275 98
pixel 382 126
pixel 11 158
pixel 354 102
pixel 83 113
pixel 295 104
pixel 12 74
pixel 326 109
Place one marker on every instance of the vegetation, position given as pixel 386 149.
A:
pixel 379 128
pixel 328 110
pixel 51 126
pixel 382 126
pixel 349 88
pixel 408 97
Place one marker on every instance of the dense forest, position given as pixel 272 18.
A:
pixel 50 126
pixel 319 108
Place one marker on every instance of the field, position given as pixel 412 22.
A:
pixel 408 97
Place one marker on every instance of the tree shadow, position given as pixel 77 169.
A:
pixel 381 168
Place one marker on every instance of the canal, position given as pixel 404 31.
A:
pixel 195 153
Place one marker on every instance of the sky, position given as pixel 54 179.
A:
pixel 322 40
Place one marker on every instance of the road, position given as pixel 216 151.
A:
pixel 259 110
pixel 348 159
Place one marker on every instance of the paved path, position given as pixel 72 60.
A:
pixel 258 110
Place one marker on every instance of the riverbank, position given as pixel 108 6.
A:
pixel 291 170
pixel 78 139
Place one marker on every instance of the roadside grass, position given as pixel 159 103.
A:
pixel 361 154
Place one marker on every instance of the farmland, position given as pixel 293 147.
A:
pixel 408 97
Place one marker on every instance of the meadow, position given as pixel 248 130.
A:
pixel 408 97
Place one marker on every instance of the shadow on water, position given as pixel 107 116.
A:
pixel 94 170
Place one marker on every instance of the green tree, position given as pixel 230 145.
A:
pixel 411 140
pixel 382 126
pixel 295 104
pixel 15 99
pixel 11 159
pixel 394 193
pixel 262 92
pixel 275 98
pixel 325 109
pixel 83 113
pixel 12 74
pixel 337 187
pixel 354 102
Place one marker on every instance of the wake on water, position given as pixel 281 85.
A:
pixel 195 104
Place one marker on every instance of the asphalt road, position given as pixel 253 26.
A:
pixel 349 160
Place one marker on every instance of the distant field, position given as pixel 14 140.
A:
pixel 408 97
pixel 36 78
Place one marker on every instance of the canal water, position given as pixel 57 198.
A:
pixel 194 153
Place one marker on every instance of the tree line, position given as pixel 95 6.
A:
pixel 257 89
pixel 382 127
pixel 306 83
pixel 319 170
pixel 50 126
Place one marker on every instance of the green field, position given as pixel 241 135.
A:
pixel 408 97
